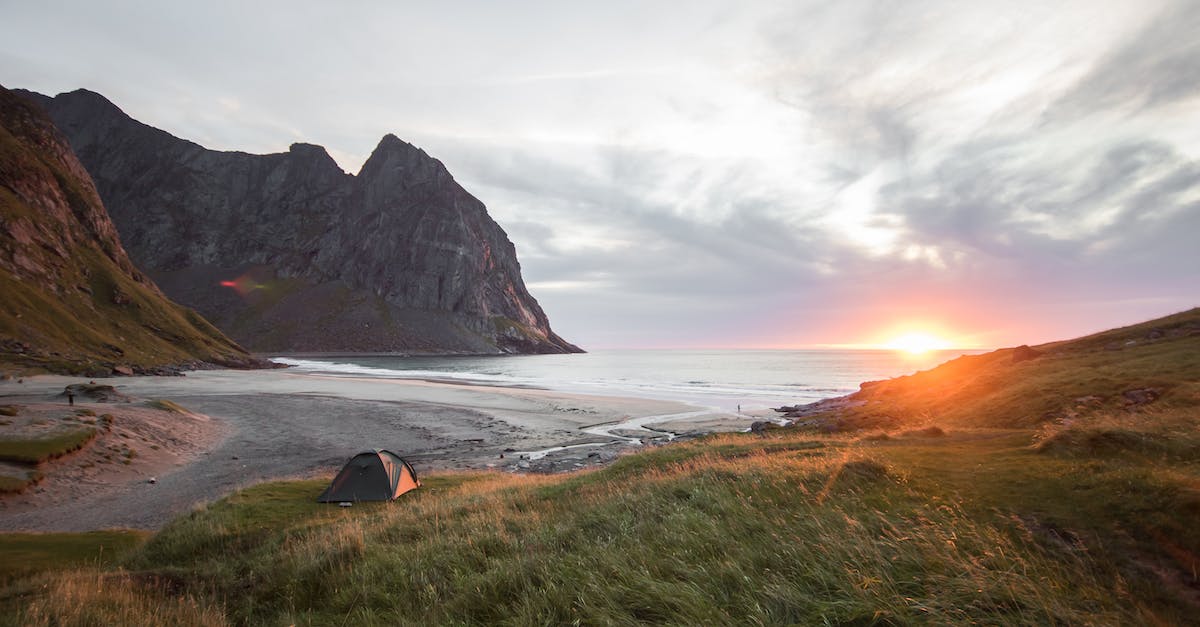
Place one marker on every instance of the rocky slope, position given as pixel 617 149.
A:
pixel 73 302
pixel 286 252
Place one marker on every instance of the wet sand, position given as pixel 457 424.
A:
pixel 252 426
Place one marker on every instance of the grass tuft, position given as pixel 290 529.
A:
pixel 927 432
pixel 1099 442
pixel 15 485
pixel 863 470
pixel 165 405
pixel 38 450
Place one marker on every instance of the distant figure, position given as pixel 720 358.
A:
pixel 70 398
pixel 739 408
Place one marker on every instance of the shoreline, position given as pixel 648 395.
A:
pixel 282 424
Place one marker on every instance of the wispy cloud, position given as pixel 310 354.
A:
pixel 759 173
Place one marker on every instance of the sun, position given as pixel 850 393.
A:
pixel 917 343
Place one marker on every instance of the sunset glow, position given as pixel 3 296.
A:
pixel 917 343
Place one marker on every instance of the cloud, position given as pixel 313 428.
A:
pixel 1156 66
pixel 759 173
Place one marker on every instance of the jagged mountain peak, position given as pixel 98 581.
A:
pixel 402 163
pixel 316 159
pixel 290 253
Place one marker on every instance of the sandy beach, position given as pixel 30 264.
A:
pixel 244 427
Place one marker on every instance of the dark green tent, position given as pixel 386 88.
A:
pixel 371 476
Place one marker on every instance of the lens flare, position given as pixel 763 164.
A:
pixel 243 285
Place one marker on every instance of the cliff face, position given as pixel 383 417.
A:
pixel 73 302
pixel 285 252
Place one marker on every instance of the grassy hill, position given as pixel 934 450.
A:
pixel 1058 489
pixel 73 302
pixel 1153 364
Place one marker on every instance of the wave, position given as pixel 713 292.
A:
pixel 338 368
pixel 688 390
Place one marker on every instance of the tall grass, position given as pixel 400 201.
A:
pixel 28 554
pixel 968 527
pixel 781 533
pixel 90 597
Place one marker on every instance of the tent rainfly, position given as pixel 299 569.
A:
pixel 376 475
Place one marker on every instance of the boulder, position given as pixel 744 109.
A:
pixel 762 426
pixel 98 392
pixel 1140 396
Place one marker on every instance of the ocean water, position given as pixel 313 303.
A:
pixel 726 379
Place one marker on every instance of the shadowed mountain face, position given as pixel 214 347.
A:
pixel 72 301
pixel 286 252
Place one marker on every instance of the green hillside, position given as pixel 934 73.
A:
pixel 1027 507
pixel 1153 365
pixel 73 302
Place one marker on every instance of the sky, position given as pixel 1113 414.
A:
pixel 722 174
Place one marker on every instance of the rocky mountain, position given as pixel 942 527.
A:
pixel 286 252
pixel 73 302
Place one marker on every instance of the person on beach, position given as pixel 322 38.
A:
pixel 70 397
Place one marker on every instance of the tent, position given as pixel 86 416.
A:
pixel 376 475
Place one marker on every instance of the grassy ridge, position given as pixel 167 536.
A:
pixel 1066 381
pixel 38 450
pixel 73 303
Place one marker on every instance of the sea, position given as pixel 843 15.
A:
pixel 724 379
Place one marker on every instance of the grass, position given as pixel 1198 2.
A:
pixel 1088 376
pixel 67 312
pixel 15 485
pixel 95 597
pixel 38 450
pixel 168 406
pixel 27 554
pixel 73 581
pixel 792 528
pixel 940 516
